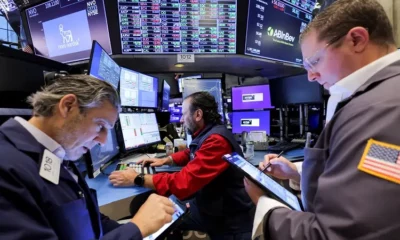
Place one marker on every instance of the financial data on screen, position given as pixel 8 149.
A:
pixel 137 89
pixel 139 129
pixel 174 26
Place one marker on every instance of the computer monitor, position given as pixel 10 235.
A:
pixel 171 27
pixel 64 30
pixel 165 96
pixel 212 86
pixel 251 121
pixel 99 155
pixel 181 81
pixel 138 89
pixel 138 130
pixel 251 97
pixel 177 110
pixel 175 118
pixel 274 28
pixel 295 90
pixel 102 66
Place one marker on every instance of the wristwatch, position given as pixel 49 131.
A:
pixel 139 180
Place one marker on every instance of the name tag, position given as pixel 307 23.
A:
pixel 50 167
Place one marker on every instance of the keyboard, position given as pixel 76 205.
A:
pixel 284 146
pixel 139 168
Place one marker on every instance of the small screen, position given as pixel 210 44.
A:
pixel 178 213
pixel 295 90
pixel 103 67
pixel 175 118
pixel 274 27
pixel 212 86
pixel 137 89
pixel 251 121
pixel 251 97
pixel 63 30
pixel 181 80
pixel 100 155
pixel 287 197
pixel 173 26
pixel 165 96
pixel 139 129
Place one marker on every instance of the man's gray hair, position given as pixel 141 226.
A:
pixel 89 91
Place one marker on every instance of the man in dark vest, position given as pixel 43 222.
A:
pixel 219 203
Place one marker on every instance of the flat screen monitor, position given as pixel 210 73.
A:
pixel 138 90
pixel 212 86
pixel 178 26
pixel 251 97
pixel 251 121
pixel 102 66
pixel 176 110
pixel 295 90
pixel 139 130
pixel 175 118
pixel 274 27
pixel 181 80
pixel 99 155
pixel 165 96
pixel 63 30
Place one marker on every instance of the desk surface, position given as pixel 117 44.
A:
pixel 106 193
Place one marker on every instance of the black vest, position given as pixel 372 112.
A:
pixel 224 204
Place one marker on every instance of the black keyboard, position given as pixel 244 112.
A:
pixel 285 146
pixel 139 168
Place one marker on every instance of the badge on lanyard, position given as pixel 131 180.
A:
pixel 50 167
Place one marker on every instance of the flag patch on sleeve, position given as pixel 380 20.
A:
pixel 381 160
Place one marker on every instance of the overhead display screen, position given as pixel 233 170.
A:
pixel 63 30
pixel 175 26
pixel 274 27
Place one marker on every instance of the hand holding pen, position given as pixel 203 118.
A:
pixel 279 167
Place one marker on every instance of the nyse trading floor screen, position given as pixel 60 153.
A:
pixel 175 26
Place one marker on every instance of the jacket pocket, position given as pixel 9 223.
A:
pixel 313 167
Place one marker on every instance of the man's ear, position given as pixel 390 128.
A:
pixel 199 115
pixel 67 104
pixel 359 39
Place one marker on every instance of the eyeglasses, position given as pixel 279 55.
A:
pixel 311 62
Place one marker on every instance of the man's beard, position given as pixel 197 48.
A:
pixel 191 128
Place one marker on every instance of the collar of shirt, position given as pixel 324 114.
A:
pixel 349 85
pixel 198 132
pixel 43 138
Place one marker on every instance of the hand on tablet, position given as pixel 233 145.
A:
pixel 280 168
pixel 153 214
pixel 253 190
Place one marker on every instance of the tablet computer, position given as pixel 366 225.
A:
pixel 177 218
pixel 264 181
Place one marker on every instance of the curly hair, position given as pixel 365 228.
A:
pixel 206 102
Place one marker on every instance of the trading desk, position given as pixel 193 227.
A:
pixel 111 198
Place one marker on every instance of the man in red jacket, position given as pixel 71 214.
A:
pixel 219 203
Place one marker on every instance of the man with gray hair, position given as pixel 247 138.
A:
pixel 350 178
pixel 43 196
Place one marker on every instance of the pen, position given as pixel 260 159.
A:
pixel 269 164
pixel 308 140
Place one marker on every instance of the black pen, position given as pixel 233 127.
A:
pixel 269 164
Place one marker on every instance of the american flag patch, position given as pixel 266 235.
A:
pixel 381 160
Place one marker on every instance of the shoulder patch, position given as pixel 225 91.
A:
pixel 381 160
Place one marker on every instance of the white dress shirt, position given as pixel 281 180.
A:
pixel 339 91
pixel 349 85
pixel 49 143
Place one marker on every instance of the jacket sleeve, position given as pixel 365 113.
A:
pixel 206 165
pixel 181 158
pixel 128 231
pixel 348 203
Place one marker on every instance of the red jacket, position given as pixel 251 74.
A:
pixel 206 165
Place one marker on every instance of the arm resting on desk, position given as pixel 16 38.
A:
pixel 181 158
